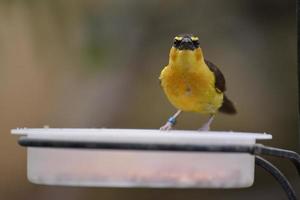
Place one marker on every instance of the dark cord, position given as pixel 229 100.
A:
pixel 278 175
pixel 257 149
pixel 282 153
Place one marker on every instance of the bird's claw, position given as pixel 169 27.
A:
pixel 204 128
pixel 168 126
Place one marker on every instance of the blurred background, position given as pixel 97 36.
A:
pixel 85 63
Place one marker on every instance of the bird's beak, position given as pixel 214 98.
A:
pixel 186 44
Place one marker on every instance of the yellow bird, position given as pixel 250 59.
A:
pixel 192 83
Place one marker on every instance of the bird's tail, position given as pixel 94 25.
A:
pixel 227 106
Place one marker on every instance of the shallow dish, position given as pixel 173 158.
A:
pixel 139 168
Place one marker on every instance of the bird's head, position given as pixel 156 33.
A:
pixel 186 48
pixel 186 42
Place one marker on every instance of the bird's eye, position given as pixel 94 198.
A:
pixel 176 42
pixel 196 43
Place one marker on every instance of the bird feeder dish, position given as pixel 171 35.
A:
pixel 138 158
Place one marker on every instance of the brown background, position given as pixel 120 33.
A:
pixel 85 63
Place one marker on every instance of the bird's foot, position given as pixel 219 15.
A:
pixel 168 126
pixel 205 127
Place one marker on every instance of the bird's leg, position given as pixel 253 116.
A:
pixel 171 122
pixel 206 126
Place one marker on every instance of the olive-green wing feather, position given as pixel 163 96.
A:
pixel 227 106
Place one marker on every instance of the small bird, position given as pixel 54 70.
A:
pixel 192 83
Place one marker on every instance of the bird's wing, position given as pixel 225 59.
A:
pixel 227 105
pixel 220 80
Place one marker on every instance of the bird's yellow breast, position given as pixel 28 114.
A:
pixel 190 85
